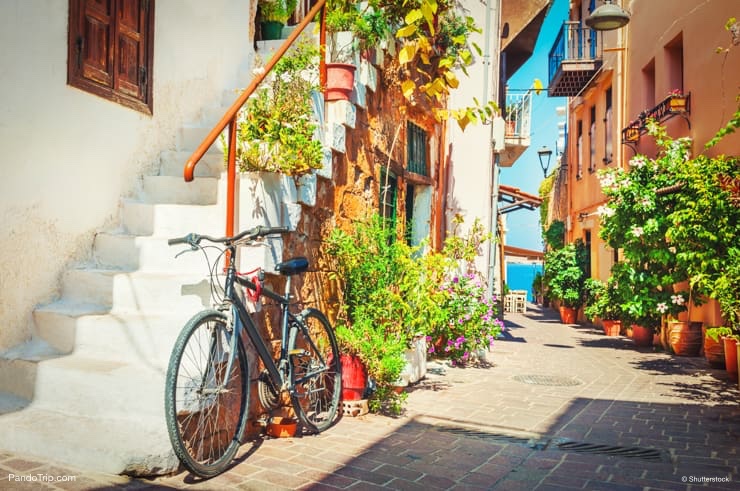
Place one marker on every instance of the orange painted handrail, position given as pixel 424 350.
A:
pixel 229 118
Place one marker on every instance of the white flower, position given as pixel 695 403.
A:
pixel 638 161
pixel 637 231
pixel 258 70
pixel 662 307
pixel 605 210
pixel 646 203
pixel 677 299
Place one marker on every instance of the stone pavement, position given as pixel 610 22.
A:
pixel 556 408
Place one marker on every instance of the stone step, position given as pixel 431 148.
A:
pixel 172 220
pixel 10 403
pixel 137 291
pixel 173 164
pixel 93 332
pixel 88 386
pixel 134 444
pixel 150 253
pixel 18 367
pixel 174 190
pixel 189 137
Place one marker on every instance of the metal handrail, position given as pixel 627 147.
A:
pixel 229 118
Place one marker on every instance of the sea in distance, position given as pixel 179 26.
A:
pixel 519 276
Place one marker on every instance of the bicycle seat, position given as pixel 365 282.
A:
pixel 292 266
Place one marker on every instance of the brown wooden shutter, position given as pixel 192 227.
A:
pixel 110 49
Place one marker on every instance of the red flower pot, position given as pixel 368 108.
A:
pixel 642 336
pixel 354 377
pixel 685 337
pixel 714 351
pixel 567 315
pixel 612 327
pixel 731 357
pixel 340 79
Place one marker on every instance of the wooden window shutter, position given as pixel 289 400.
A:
pixel 110 50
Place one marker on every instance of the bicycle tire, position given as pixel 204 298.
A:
pixel 206 429
pixel 315 397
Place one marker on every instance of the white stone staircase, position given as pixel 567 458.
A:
pixel 88 389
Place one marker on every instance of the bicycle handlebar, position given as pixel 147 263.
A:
pixel 252 233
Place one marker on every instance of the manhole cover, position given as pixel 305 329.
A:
pixel 549 380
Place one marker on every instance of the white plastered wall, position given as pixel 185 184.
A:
pixel 67 156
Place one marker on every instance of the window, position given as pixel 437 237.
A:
pixel 674 63
pixel 592 141
pixel 416 149
pixel 110 50
pixel 648 84
pixel 608 121
pixel 388 195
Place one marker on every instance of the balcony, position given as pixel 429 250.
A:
pixel 518 123
pixel 574 59
pixel 677 104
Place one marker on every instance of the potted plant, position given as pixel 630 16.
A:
pixel 276 127
pixel 729 339
pixel 273 14
pixel 602 302
pixel 565 269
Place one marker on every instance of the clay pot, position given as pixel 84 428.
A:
pixel 642 336
pixel 612 327
pixel 685 337
pixel 714 351
pixel 354 378
pixel 280 427
pixel 731 357
pixel 567 315
pixel 340 79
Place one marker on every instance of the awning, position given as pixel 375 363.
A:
pixel 517 199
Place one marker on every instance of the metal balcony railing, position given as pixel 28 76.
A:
pixel 574 58
pixel 518 114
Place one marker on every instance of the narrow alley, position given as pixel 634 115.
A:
pixel 556 407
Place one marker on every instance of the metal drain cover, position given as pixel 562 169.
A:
pixel 643 453
pixel 549 380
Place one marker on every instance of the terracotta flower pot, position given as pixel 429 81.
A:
pixel 731 357
pixel 567 315
pixel 340 79
pixel 280 427
pixel 714 351
pixel 685 337
pixel 642 336
pixel 612 327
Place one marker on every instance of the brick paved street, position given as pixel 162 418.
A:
pixel 550 390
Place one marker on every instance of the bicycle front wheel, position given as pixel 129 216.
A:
pixel 316 372
pixel 206 412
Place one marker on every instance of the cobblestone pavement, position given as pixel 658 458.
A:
pixel 557 408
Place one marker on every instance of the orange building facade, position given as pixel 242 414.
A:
pixel 614 80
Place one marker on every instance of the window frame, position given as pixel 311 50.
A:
pixel 112 89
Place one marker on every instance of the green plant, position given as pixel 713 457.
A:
pixel 555 234
pixel 718 332
pixel 276 127
pixel 602 300
pixel 565 273
pixel 276 10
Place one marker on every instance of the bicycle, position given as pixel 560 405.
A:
pixel 207 389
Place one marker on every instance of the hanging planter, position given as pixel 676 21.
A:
pixel 685 337
pixel 340 80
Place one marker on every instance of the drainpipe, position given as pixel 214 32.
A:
pixel 493 9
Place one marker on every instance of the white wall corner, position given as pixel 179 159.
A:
pixel 368 75
pixel 307 189
pixel 336 135
pixel 327 169
pixel 343 112
pixel 263 255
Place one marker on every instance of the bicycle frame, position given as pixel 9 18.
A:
pixel 242 320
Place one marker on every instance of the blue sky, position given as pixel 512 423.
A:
pixel 526 173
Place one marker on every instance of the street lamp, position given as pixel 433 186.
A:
pixel 607 17
pixel 542 153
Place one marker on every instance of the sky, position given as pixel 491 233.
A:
pixel 526 173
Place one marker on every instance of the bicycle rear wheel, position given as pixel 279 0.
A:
pixel 316 373
pixel 205 417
